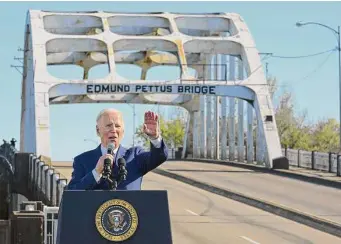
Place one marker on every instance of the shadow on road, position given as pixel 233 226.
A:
pixel 213 171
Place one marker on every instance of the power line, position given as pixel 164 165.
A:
pixel 270 55
pixel 302 56
pixel 318 67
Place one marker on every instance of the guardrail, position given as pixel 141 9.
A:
pixel 45 182
pixel 330 162
pixel 37 180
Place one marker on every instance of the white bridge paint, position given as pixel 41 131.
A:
pixel 184 40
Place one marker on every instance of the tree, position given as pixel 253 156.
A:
pixel 176 129
pixel 295 133
pixel 292 130
pixel 326 136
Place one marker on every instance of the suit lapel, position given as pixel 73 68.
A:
pixel 98 152
pixel 120 153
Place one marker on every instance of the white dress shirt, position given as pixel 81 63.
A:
pixel 156 143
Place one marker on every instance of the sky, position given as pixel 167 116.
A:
pixel 313 80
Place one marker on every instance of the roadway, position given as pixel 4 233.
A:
pixel 321 201
pixel 199 217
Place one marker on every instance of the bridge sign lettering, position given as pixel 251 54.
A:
pixel 128 88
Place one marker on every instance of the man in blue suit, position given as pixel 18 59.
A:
pixel 88 166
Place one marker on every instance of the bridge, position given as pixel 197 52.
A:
pixel 230 181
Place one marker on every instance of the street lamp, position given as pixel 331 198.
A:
pixel 337 32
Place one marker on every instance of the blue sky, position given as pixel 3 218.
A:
pixel 272 24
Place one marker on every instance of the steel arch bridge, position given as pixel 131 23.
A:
pixel 219 66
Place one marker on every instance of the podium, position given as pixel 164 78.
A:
pixel 100 216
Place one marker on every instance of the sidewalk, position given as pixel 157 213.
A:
pixel 305 174
pixel 314 173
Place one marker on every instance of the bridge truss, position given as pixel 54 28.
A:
pixel 215 50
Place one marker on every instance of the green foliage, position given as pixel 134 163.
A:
pixel 326 136
pixel 295 133
pixel 292 131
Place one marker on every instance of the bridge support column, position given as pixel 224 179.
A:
pixel 196 134
pixel 209 124
pixel 268 144
pixel 203 135
pixel 28 105
pixel 224 128
pixel 187 140
pixel 232 114
pixel 35 123
pixel 215 138
pixel 209 128
pixel 241 130
pixel 259 144
pixel 232 125
pixel 42 125
pixel 241 150
pixel 217 128
pixel 249 143
pixel 223 109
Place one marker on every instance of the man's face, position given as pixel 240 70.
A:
pixel 110 128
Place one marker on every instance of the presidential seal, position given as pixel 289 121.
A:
pixel 116 220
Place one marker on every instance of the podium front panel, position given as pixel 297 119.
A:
pixel 114 217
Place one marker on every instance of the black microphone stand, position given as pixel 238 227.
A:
pixel 121 176
pixel 107 175
pixel 112 184
pixel 122 172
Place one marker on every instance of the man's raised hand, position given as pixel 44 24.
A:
pixel 151 125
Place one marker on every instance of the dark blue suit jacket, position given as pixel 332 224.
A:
pixel 138 163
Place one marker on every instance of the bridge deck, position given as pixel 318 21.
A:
pixel 314 199
pixel 201 217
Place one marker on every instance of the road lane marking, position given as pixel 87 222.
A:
pixel 250 240
pixel 191 212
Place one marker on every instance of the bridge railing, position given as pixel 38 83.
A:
pixel 322 161
pixel 329 162
pixel 45 181
pixel 41 181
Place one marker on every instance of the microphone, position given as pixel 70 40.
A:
pixel 107 162
pixel 122 169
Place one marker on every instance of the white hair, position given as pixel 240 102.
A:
pixel 107 110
